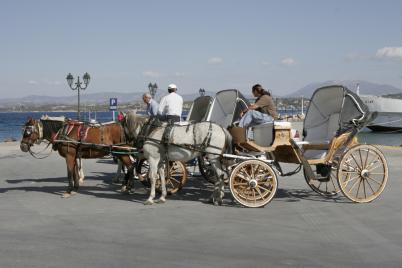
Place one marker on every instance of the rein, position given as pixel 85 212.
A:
pixel 35 154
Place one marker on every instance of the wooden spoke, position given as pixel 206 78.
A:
pixel 265 189
pixel 259 192
pixel 355 161
pixel 364 188
pixel 367 156
pixel 245 172
pixel 361 158
pixel 352 179
pixel 241 177
pixel 375 167
pixel 240 183
pixel 379 183
pixel 349 165
pixel 353 186
pixel 371 188
pixel 173 179
pixel 350 172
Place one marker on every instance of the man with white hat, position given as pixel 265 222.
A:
pixel 171 105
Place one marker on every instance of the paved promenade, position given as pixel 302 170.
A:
pixel 100 227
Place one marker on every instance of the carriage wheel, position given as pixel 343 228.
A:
pixel 206 170
pixel 178 176
pixel 326 185
pixel 362 173
pixel 253 183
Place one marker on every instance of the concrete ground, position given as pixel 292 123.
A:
pixel 100 227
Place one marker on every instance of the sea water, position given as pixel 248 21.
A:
pixel 11 124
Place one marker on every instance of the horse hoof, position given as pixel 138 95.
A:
pixel 161 201
pixel 148 202
pixel 65 195
pixel 217 202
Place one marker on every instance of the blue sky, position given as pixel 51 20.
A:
pixel 215 45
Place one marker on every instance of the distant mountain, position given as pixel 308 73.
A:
pixel 88 98
pixel 365 88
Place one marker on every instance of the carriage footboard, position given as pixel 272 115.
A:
pixel 307 168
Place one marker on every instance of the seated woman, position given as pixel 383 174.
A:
pixel 262 111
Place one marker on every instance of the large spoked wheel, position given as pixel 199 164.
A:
pixel 326 183
pixel 362 173
pixel 176 180
pixel 253 183
pixel 206 169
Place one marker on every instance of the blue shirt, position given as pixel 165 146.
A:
pixel 152 108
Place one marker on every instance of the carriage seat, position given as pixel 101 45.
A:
pixel 319 137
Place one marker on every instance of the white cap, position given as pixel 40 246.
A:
pixel 172 86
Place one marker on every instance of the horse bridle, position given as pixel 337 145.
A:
pixel 27 131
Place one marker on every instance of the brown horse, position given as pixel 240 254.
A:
pixel 79 140
pixel 47 129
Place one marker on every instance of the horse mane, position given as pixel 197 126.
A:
pixel 51 125
pixel 133 124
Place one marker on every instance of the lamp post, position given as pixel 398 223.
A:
pixel 202 92
pixel 78 86
pixel 152 89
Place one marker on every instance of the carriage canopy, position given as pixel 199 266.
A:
pixel 226 107
pixel 332 111
pixel 199 109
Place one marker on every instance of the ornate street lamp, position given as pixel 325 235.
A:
pixel 152 89
pixel 202 92
pixel 78 86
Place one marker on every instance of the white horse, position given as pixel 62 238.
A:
pixel 186 143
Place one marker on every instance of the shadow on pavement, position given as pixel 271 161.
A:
pixel 197 189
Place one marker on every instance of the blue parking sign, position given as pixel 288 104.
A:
pixel 113 104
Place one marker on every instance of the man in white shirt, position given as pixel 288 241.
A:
pixel 171 105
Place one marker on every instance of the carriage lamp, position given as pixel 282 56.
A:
pixel 152 89
pixel 202 92
pixel 78 86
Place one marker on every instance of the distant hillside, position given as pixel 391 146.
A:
pixel 394 96
pixel 365 88
pixel 87 98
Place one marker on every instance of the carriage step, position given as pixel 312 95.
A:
pixel 323 179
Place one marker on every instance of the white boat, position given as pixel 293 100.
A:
pixel 389 112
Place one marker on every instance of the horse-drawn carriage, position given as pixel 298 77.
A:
pixel 330 156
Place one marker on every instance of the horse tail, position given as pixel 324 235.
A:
pixel 228 142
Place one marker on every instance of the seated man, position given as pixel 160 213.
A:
pixel 262 111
